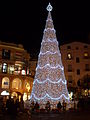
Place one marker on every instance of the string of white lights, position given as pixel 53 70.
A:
pixel 48 52
pixel 49 40
pixel 49 83
pixel 47 95
pixel 48 65
pixel 60 80
pixel 49 20
pixel 52 29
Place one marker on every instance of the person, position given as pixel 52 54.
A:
pixel 32 106
pixel 48 106
pixel 9 105
pixel 16 105
pixel 1 104
pixel 36 106
pixel 21 105
pixel 59 106
pixel 64 105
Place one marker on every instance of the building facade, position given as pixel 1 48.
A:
pixel 15 79
pixel 76 61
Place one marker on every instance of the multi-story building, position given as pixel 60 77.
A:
pixel 76 60
pixel 15 79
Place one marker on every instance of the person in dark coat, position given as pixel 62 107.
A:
pixel 59 106
pixel 48 106
pixel 36 106
pixel 9 105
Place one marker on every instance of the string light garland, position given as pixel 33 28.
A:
pixel 60 80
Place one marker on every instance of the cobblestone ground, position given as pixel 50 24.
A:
pixel 19 116
pixel 84 115
pixel 63 116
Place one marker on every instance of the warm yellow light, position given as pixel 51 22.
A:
pixel 85 54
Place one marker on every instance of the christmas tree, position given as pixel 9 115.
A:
pixel 49 82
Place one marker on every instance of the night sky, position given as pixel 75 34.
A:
pixel 24 22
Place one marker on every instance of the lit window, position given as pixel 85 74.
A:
pixel 17 84
pixel 27 85
pixel 86 55
pixel 86 92
pixel 11 69
pixel 5 82
pixel 0 67
pixel 23 72
pixel 17 69
pixel 69 56
pixel 5 67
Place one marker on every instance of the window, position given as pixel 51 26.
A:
pixel 5 54
pixel 78 71
pixel 68 47
pixel 69 56
pixel 86 67
pixel 27 86
pixel 10 69
pixel 85 46
pixel 17 84
pixel 70 79
pixel 0 67
pixel 86 55
pixel 77 48
pixel 77 60
pixel 18 67
pixel 69 68
pixel 23 72
pixel 4 67
pixel 5 82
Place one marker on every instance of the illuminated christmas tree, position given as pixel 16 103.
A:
pixel 49 82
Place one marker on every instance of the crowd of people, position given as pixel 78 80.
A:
pixel 36 107
pixel 12 105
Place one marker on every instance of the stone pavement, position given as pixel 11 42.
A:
pixel 62 116
pixel 68 115
pixel 19 116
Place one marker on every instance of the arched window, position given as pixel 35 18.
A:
pixel 5 82
pixel 17 84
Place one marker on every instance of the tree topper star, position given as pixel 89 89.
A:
pixel 49 7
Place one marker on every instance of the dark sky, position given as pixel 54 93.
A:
pixel 24 22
